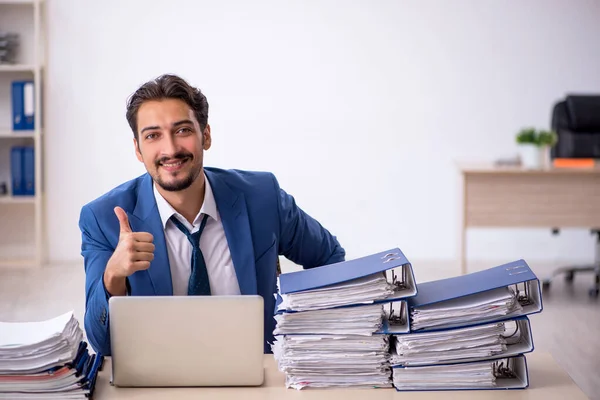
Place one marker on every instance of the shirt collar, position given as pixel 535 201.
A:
pixel 166 211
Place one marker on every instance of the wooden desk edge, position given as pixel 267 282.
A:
pixel 491 168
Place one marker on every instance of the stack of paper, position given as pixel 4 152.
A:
pixel 358 291
pixel 361 320
pixel 333 323
pixel 468 332
pixel 333 347
pixel 480 307
pixel 457 376
pixel 458 344
pixel 46 359
pixel 333 361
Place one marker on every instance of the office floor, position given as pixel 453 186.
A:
pixel 569 327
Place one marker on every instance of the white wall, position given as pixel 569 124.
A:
pixel 360 108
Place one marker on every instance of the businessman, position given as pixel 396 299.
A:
pixel 185 229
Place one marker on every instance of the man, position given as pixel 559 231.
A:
pixel 185 229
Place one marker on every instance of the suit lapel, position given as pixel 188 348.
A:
pixel 146 218
pixel 234 216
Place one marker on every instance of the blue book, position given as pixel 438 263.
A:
pixel 500 293
pixel 16 171
pixel 28 170
pixel 23 105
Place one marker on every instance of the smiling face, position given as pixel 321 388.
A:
pixel 171 143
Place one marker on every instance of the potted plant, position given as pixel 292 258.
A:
pixel 529 152
pixel 534 147
pixel 546 139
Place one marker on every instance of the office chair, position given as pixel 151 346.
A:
pixel 576 120
pixel 571 270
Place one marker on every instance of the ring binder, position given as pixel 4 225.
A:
pixel 516 294
pixel 525 299
pixel 369 279
pixel 501 371
pixel 501 374
pixel 497 340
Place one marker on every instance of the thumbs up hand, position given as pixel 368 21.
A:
pixel 134 252
pixel 123 220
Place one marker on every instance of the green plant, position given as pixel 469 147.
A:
pixel 527 136
pixel 547 138
pixel 535 137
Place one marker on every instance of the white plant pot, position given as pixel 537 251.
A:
pixel 545 159
pixel 530 156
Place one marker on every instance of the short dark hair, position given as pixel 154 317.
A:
pixel 167 87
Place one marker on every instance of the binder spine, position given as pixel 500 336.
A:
pixel 28 171
pixel 23 105
pixel 16 171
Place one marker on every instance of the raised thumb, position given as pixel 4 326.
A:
pixel 123 220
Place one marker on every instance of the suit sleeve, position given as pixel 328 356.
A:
pixel 96 252
pixel 302 239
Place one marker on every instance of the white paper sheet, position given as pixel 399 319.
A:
pixel 359 291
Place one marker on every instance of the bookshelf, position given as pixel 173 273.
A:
pixel 21 216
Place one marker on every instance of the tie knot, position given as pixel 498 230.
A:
pixel 194 238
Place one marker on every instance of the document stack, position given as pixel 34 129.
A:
pixel 333 322
pixel 46 360
pixel 9 43
pixel 469 332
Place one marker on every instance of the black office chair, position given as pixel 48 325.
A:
pixel 576 120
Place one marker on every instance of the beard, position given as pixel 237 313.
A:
pixel 183 182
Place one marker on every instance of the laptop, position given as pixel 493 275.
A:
pixel 174 341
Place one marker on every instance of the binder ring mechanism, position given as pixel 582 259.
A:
pixel 398 284
pixel 523 299
pixel 502 371
pixel 513 335
pixel 396 319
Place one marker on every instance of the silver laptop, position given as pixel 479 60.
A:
pixel 174 341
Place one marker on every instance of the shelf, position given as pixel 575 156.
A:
pixel 27 19
pixel 17 67
pixel 19 2
pixel 17 199
pixel 4 134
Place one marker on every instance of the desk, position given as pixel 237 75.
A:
pixel 512 197
pixel 546 381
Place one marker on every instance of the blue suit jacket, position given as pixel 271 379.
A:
pixel 260 220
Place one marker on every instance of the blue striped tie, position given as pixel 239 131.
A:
pixel 199 285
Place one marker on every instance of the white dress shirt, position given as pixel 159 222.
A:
pixel 213 244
